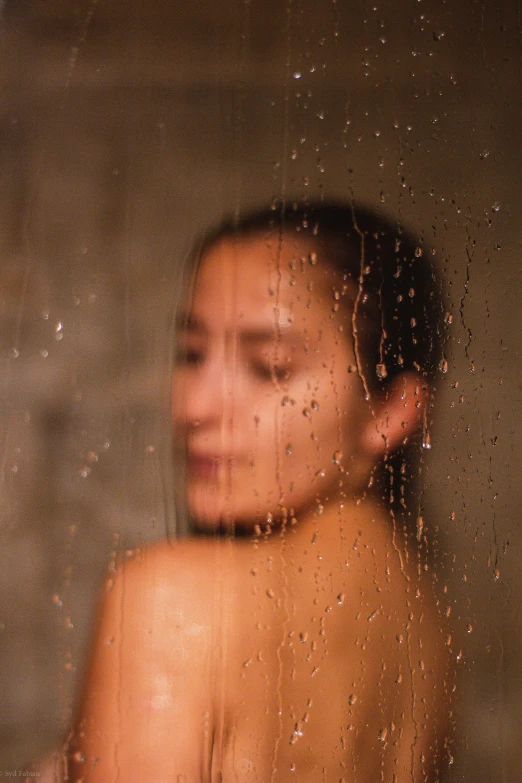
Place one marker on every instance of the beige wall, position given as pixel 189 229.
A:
pixel 127 128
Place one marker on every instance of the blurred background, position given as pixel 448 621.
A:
pixel 126 129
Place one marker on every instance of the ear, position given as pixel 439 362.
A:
pixel 398 413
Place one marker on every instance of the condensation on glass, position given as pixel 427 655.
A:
pixel 128 133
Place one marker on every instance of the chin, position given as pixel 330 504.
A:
pixel 214 519
pixel 221 529
pixel 208 515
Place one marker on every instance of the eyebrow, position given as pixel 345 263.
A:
pixel 255 336
pixel 251 335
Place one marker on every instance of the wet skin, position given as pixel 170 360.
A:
pixel 310 647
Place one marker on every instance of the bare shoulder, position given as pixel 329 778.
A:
pixel 148 682
pixel 159 563
pixel 163 571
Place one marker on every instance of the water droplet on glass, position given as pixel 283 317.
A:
pixel 312 258
pixel 14 353
pixel 288 449
pixel 314 405
pixel 297 74
pixel 352 698
pixel 337 457
pixel 381 371
pixel 420 528
pixel 270 593
pixel 426 440
pixel 495 207
pixel 296 734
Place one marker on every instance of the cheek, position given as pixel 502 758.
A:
pixel 297 433
pixel 335 419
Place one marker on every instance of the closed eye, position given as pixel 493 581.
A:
pixel 267 371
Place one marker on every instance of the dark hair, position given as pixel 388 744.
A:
pixel 397 310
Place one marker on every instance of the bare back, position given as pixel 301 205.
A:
pixel 309 655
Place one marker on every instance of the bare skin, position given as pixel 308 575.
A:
pixel 313 655
pixel 309 648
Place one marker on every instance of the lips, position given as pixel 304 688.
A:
pixel 207 466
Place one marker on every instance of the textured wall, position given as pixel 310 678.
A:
pixel 126 129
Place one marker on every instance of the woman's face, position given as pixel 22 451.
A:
pixel 266 400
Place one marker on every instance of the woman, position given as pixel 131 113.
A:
pixel 295 634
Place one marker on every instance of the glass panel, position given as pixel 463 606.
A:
pixel 129 130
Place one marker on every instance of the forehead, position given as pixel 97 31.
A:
pixel 281 278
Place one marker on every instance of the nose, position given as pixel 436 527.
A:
pixel 199 394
